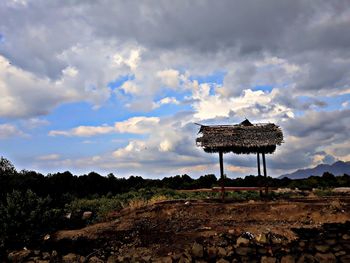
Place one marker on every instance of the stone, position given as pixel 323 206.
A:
pixel 46 255
pixel 86 215
pixel 322 248
pixel 19 256
pixel 167 259
pixel 336 248
pixel 261 238
pixel 70 258
pixel 54 254
pixel 95 260
pixel 211 252
pixel 331 242
pixel 265 259
pixel 243 251
pixel 42 261
pixel 345 259
pixel 346 236
pixel 325 258
pixel 221 252
pixel 340 253
pixel 111 259
pixel 221 260
pixel 262 250
pixel 197 250
pixel 288 259
pixel 276 240
pixel 184 259
pixel 242 241
pixel 147 258
pixel 306 258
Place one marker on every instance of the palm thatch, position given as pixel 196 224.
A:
pixel 243 138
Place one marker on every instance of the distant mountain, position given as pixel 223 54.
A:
pixel 337 168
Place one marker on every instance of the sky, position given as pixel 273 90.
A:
pixel 117 86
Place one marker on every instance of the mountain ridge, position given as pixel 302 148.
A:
pixel 337 168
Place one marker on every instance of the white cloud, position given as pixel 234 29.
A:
pixel 9 130
pixel 49 157
pixel 164 101
pixel 135 125
pixel 169 77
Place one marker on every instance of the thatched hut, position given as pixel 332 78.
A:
pixel 243 138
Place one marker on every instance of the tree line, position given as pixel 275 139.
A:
pixel 59 185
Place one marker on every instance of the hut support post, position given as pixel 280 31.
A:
pixel 222 175
pixel 258 159
pixel 265 174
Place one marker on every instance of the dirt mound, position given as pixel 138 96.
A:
pixel 170 226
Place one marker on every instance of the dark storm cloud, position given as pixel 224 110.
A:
pixel 38 31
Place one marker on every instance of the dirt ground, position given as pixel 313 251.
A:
pixel 169 226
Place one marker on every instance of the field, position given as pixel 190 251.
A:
pixel 172 230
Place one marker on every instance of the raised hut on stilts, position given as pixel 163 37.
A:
pixel 243 138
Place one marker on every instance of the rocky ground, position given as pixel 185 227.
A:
pixel 303 230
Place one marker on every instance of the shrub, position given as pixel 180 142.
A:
pixel 25 217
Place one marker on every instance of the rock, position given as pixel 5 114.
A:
pixel 86 215
pixel 288 259
pixel 42 261
pixel 325 258
pixel 45 255
pixel 36 252
pixel 262 250
pixel 54 254
pixel 70 258
pixel 221 252
pixel 265 259
pixel 242 241
pixel 19 256
pixel 261 238
pixel 185 259
pixel 111 259
pixel 276 240
pixel 243 251
pixel 221 260
pixel 211 252
pixel 146 258
pixel 306 258
pixel 340 253
pixel 197 250
pixel 345 259
pixel 346 236
pixel 120 259
pixel 95 260
pixel 232 231
pixel 322 248
pixel 331 242
pixel 163 260
pixel 336 248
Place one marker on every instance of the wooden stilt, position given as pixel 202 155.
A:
pixel 258 159
pixel 265 174
pixel 222 175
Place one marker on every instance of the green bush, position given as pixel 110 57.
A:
pixel 100 207
pixel 25 217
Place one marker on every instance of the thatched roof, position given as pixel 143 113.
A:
pixel 240 138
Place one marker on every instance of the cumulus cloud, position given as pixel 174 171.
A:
pixel 134 125
pixel 275 70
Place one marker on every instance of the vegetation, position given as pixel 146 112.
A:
pixel 32 205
